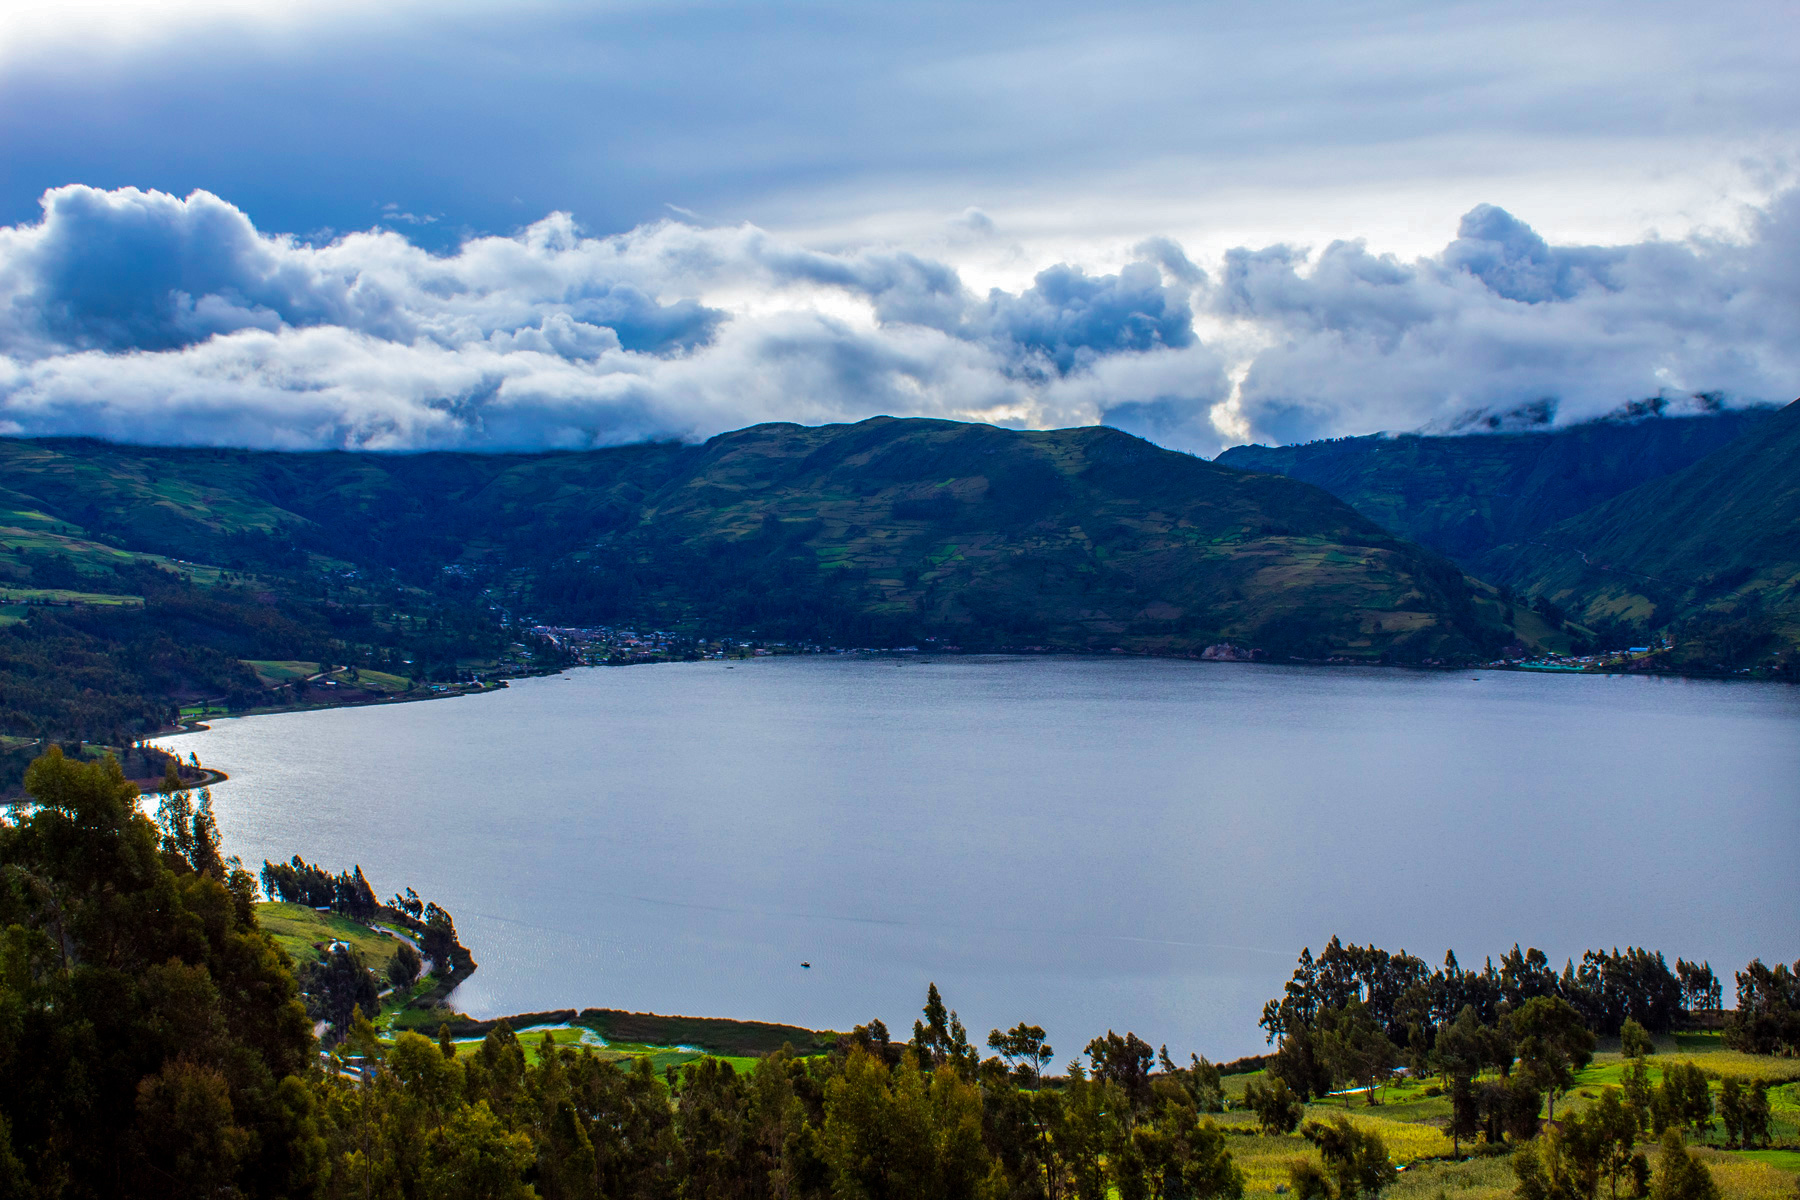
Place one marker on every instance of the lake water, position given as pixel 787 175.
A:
pixel 1083 844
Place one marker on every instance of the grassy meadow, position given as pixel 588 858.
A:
pixel 1412 1123
pixel 296 928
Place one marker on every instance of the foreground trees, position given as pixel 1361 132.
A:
pixel 151 1040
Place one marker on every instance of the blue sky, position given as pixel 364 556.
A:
pixel 550 224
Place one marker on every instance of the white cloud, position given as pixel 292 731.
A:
pixel 140 316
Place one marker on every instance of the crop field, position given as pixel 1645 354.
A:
pixel 1411 1124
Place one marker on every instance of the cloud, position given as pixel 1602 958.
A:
pixel 141 316
pixel 1502 328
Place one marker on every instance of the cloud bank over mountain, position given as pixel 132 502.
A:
pixel 141 316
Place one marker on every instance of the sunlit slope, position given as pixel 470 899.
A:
pixel 1463 496
pixel 1718 539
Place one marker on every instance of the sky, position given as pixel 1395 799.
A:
pixel 543 224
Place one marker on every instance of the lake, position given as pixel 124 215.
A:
pixel 1084 844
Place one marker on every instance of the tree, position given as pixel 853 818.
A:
pixel 147 1025
pixel 902 1133
pixel 1679 1174
pixel 1299 1064
pixel 1700 988
pixel 1024 1048
pixel 1125 1063
pixel 1553 1044
pixel 1767 1017
pixel 941 1038
pixel 1744 1111
pixel 1277 1109
pixel 1460 1052
pixel 1354 1046
pixel 404 967
pixel 1640 1096
pixel 1355 1162
pixel 1634 1040
pixel 1572 1159
pixel 1682 1098
pixel 339 987
pixel 1200 1082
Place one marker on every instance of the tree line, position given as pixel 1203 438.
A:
pixel 349 892
pixel 154 1042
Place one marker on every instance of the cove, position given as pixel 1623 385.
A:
pixel 1082 844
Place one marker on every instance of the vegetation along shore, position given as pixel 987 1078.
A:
pixel 165 1031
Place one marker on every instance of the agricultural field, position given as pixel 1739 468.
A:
pixel 1411 1123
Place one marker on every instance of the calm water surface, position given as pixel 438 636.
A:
pixel 1082 844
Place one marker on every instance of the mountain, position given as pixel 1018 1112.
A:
pixel 880 533
pixel 1069 539
pixel 1713 549
pixel 1465 495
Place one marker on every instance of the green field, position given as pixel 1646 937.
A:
pixel 297 928
pixel 373 681
pixel 276 672
pixel 1411 1123
pixel 531 1041
pixel 27 596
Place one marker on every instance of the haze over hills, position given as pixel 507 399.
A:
pixel 1682 525
pixel 1715 546
pixel 880 532
pixel 1465 494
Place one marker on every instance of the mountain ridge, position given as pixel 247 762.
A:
pixel 890 529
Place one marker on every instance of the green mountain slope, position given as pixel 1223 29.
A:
pixel 881 532
pixel 1072 539
pixel 1713 548
pixel 1463 496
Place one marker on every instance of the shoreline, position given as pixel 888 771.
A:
pixel 200 724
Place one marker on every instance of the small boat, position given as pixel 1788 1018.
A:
pixel 807 965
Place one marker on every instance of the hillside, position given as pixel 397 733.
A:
pixel 1714 548
pixel 1463 496
pixel 880 533
pixel 1071 539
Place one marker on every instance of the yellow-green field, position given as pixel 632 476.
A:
pixel 1411 1124
pixel 27 596
pixel 373 681
pixel 296 928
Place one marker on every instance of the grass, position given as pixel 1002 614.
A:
pixel 531 1041
pixel 274 672
pixel 1743 1176
pixel 373 681
pixel 296 928
pixel 1411 1125
pixel 12 595
pixel 1473 1179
